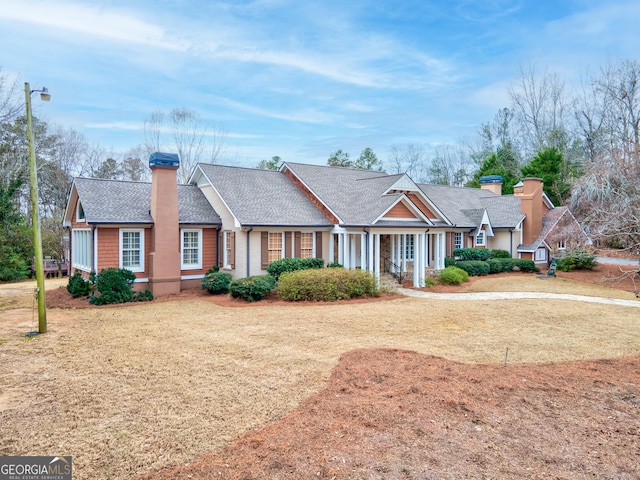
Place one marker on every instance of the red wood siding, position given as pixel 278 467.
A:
pixel 399 210
pixel 421 206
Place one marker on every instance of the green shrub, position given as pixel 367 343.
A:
pixel 449 262
pixel 497 265
pixel 334 265
pixel 277 268
pixel 430 282
pixel 252 289
pixel 327 284
pixel 78 286
pixel 214 269
pixel 115 285
pixel 500 254
pixel 309 263
pixel 453 276
pixel 474 268
pixel 577 260
pixel 465 254
pixel 216 282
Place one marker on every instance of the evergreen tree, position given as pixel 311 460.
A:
pixel 15 235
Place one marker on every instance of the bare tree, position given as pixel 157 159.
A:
pixel 11 102
pixel 540 107
pixel 450 165
pixel 410 159
pixel 186 133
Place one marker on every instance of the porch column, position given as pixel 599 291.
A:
pixel 403 252
pixel 352 252
pixel 372 253
pixel 345 253
pixel 376 262
pixel 443 249
pixel 416 261
pixel 332 252
pixel 392 257
pixel 340 249
pixel 363 251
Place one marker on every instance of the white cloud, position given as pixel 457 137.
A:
pixel 92 21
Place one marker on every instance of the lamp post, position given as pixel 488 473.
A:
pixel 35 211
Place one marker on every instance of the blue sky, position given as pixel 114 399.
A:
pixel 300 79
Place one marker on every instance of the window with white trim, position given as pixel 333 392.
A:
pixel 306 245
pixel 562 244
pixel 191 249
pixel 132 249
pixel 480 240
pixel 81 249
pixel 541 255
pixel 457 240
pixel 276 241
pixel 227 240
pixel 409 246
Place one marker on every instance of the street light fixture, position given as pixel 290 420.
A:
pixel 35 211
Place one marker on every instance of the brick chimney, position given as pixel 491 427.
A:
pixel 529 191
pixel 164 259
pixel 493 183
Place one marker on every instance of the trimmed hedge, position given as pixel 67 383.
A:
pixel 277 268
pixel 474 268
pixel 465 254
pixel 449 262
pixel 252 289
pixel 453 276
pixel 216 282
pixel 500 254
pixel 116 286
pixel 577 260
pixel 328 284
pixel 497 265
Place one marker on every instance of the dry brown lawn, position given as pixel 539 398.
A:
pixel 135 389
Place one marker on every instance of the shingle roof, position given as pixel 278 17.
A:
pixel 116 201
pixel 354 195
pixel 262 197
pixel 464 206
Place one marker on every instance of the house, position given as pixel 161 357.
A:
pixel 242 219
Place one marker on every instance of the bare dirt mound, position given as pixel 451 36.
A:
pixel 399 414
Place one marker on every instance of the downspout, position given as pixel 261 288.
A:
pixel 249 229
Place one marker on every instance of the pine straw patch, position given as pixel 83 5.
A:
pixel 140 388
pixel 398 414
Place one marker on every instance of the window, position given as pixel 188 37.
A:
pixel 275 246
pixel 81 249
pixel 132 249
pixel 562 244
pixel 190 244
pixel 80 213
pixel 541 254
pixel 306 245
pixel 457 240
pixel 480 239
pixel 228 260
pixel 408 246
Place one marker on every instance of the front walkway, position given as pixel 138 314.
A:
pixel 516 296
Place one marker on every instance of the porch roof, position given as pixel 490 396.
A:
pixel 356 196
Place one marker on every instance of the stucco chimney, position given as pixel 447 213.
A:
pixel 493 183
pixel 529 191
pixel 164 258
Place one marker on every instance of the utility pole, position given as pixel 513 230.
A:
pixel 35 210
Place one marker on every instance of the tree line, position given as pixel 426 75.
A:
pixel 583 141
